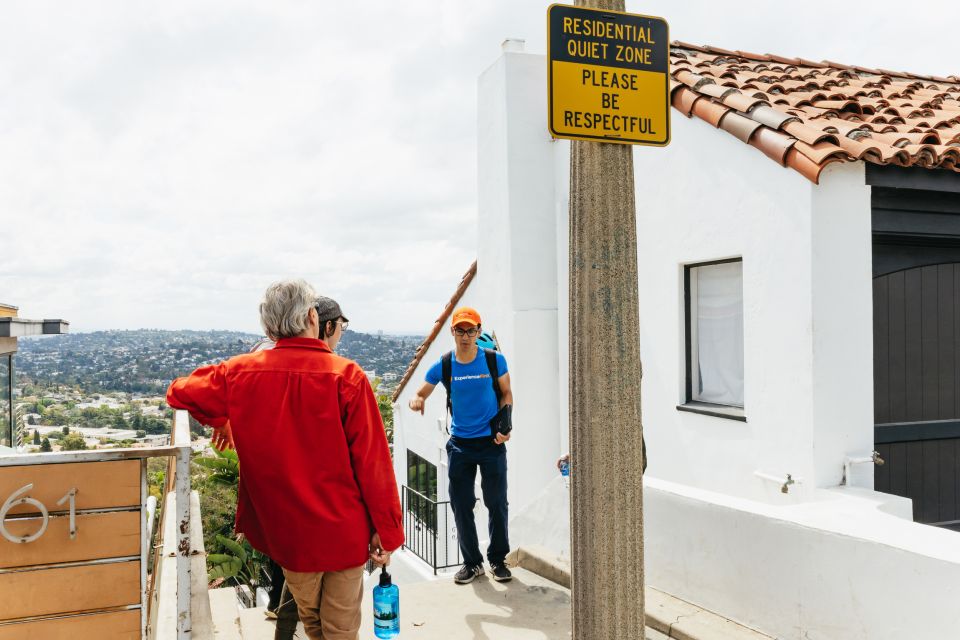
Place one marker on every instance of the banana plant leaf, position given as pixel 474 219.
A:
pixel 223 566
pixel 234 547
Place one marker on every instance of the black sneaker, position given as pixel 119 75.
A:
pixel 467 574
pixel 500 572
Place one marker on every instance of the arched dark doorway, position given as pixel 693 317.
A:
pixel 917 388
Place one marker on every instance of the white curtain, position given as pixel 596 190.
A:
pixel 718 347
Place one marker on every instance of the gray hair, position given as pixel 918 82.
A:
pixel 285 308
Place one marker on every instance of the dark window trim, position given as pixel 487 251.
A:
pixel 716 410
pixel 912 431
pixel 687 340
pixel 912 178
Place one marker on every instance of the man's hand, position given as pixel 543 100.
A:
pixel 416 404
pixel 379 557
pixel 501 438
pixel 222 437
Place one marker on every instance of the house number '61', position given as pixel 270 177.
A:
pixel 14 500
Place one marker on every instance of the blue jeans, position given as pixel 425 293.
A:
pixel 464 456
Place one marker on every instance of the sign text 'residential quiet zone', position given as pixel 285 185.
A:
pixel 608 76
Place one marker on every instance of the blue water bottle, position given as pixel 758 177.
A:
pixel 386 607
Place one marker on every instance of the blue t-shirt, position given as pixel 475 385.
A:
pixel 472 394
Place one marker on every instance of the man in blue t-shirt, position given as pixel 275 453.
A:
pixel 473 444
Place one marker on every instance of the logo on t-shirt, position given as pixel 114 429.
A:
pixel 476 377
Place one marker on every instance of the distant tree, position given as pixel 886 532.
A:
pixel 54 415
pixel 119 422
pixel 73 442
pixel 31 419
pixel 66 431
pixel 141 433
pixel 45 445
pixel 36 437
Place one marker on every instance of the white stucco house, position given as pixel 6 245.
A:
pixel 799 261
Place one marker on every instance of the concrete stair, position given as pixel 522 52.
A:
pixel 225 614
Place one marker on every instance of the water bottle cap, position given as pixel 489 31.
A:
pixel 385 577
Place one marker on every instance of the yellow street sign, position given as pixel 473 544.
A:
pixel 608 76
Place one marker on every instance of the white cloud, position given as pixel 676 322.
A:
pixel 160 163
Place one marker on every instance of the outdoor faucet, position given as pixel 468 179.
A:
pixel 786 485
pixel 848 461
pixel 783 482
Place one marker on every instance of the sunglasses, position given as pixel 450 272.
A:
pixel 343 322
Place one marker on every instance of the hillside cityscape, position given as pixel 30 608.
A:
pixel 107 388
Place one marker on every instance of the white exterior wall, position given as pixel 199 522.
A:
pixel 842 279
pixel 517 261
pixel 707 197
pixel 838 567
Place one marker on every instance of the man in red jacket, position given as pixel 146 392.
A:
pixel 317 492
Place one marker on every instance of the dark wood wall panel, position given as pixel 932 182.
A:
pixel 897 459
pixel 895 349
pixel 913 353
pixel 926 472
pixel 946 374
pixel 881 473
pixel 947 482
pixel 881 356
pixel 916 334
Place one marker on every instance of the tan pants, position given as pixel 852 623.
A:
pixel 328 602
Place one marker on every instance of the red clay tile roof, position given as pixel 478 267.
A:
pixel 437 326
pixel 805 115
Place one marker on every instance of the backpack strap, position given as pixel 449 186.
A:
pixel 446 372
pixel 491 357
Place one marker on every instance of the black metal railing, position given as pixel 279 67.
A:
pixel 430 529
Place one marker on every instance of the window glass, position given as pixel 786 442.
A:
pixel 716 327
pixel 421 475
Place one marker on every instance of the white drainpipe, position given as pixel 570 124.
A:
pixel 849 461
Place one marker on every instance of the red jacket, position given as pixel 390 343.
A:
pixel 316 476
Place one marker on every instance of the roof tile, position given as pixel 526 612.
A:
pixel 820 151
pixel 807 167
pixel 806 114
pixel 742 102
pixel 773 143
pixel 710 111
pixel 807 134
pixel 770 117
pixel 683 100
pixel 739 126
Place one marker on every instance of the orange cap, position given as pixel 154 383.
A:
pixel 465 315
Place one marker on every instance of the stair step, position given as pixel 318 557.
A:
pixel 225 612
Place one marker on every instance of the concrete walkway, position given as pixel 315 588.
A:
pixel 527 608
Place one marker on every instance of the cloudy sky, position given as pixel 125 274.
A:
pixel 162 162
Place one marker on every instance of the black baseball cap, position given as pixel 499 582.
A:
pixel 328 309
